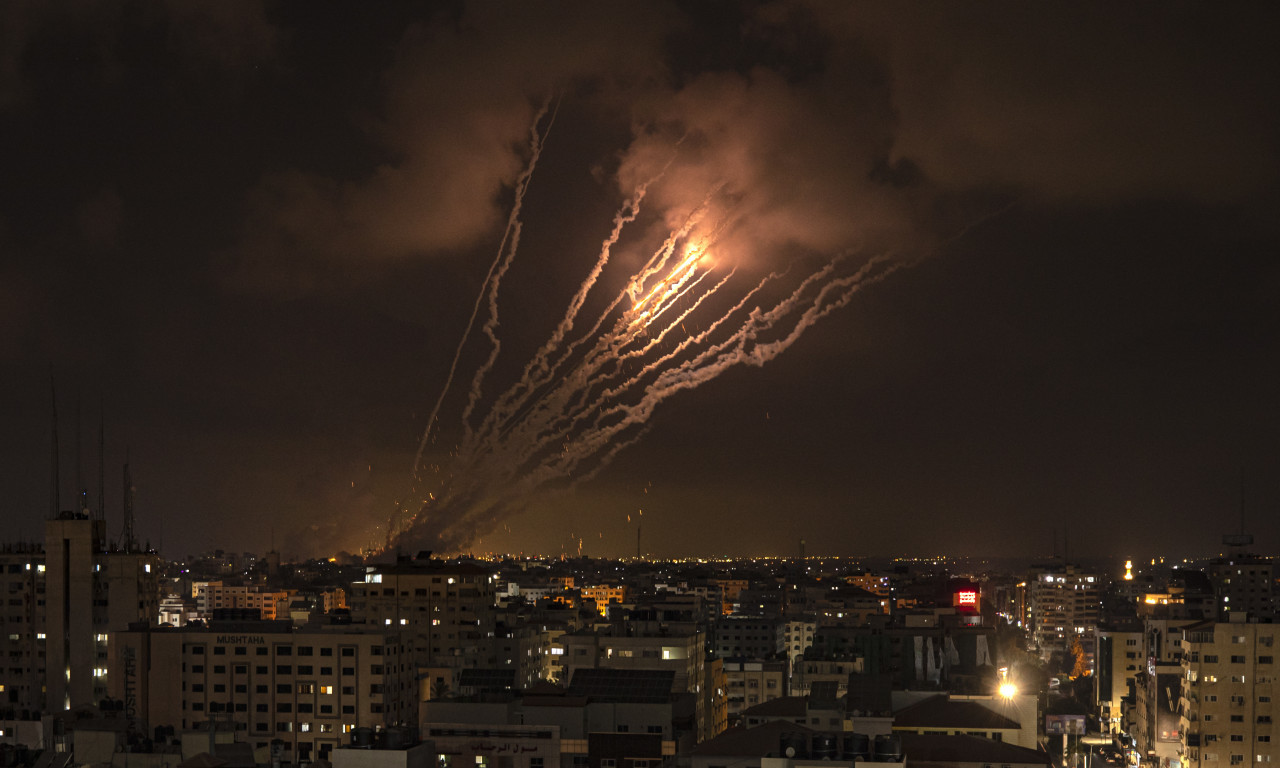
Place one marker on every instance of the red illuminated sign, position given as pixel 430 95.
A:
pixel 967 597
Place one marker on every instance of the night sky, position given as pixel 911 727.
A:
pixel 248 236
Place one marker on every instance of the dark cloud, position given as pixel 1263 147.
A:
pixel 1083 101
pixel 458 103
pixel 101 42
pixel 258 228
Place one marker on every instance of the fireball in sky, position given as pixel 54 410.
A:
pixel 690 312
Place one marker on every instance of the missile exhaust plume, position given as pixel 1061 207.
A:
pixel 491 281
pixel 689 313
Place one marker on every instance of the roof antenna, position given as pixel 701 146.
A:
pixel 102 462
pixel 54 480
pixel 127 542
pixel 1243 538
pixel 81 493
pixel 1242 498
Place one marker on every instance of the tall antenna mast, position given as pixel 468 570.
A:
pixel 54 480
pixel 81 493
pixel 1243 538
pixel 127 542
pixel 102 463
pixel 1241 498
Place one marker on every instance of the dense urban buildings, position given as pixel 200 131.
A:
pixel 528 663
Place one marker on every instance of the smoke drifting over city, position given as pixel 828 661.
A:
pixel 255 234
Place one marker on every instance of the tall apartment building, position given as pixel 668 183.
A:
pixel 1064 604
pixel 89 593
pixel 1229 686
pixel 749 682
pixel 605 595
pixel 1121 655
pixel 62 602
pixel 639 646
pixel 753 637
pixel 22 627
pixel 1243 583
pixel 797 636
pixel 307 687
pixel 219 595
pixel 446 607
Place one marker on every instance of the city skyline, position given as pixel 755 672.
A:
pixel 249 243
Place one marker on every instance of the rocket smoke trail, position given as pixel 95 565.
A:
pixel 496 270
pixel 686 316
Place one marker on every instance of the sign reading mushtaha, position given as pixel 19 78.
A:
pixel 241 640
